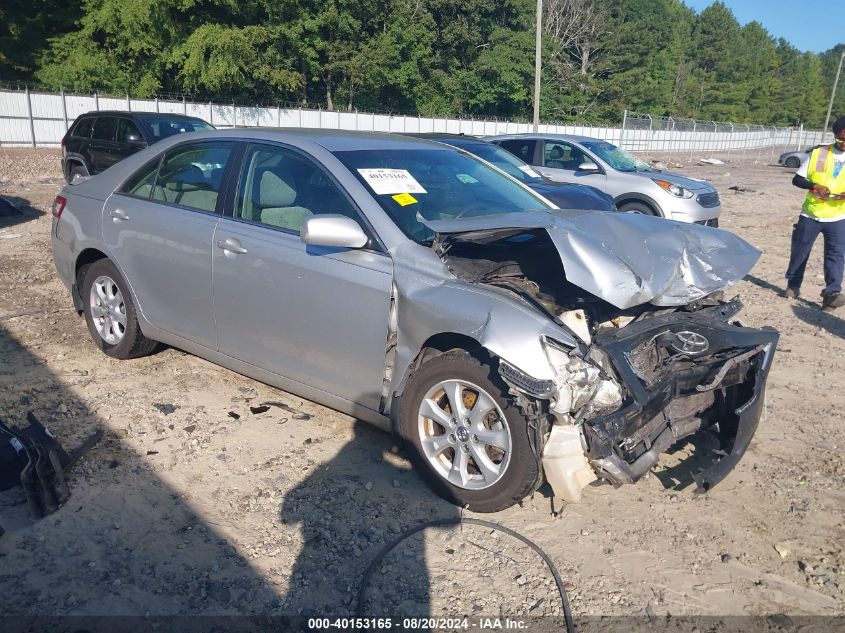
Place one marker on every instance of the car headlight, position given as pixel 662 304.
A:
pixel 675 190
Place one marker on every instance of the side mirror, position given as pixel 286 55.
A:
pixel 588 167
pixel 335 231
pixel 133 138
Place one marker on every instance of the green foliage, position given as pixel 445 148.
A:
pixel 428 57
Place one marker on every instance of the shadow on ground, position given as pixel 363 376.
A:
pixel 829 321
pixel 15 210
pixel 127 543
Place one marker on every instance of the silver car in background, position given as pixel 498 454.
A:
pixel 634 185
pixel 412 285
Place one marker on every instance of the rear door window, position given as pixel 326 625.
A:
pixel 521 148
pixel 191 175
pixel 83 128
pixel 104 128
pixel 140 184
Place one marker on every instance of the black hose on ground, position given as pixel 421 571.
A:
pixel 365 580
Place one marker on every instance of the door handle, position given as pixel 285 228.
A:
pixel 118 215
pixel 233 246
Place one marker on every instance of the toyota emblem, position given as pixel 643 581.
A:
pixel 688 342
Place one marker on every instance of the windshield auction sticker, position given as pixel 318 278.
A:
pixel 390 181
pixel 404 199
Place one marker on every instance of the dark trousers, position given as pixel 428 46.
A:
pixel 804 234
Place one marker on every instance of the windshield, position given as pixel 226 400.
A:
pixel 160 128
pixel 616 157
pixel 435 184
pixel 501 158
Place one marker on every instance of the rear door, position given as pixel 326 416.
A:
pixel 560 161
pixel 160 227
pixel 102 144
pixel 315 315
pixel 523 148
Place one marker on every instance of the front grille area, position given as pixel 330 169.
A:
pixel 714 222
pixel 708 200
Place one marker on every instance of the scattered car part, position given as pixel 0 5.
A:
pixel 45 463
pixel 360 609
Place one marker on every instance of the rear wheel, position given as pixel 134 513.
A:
pixel 110 314
pixel 793 162
pixel 76 171
pixel 637 207
pixel 465 435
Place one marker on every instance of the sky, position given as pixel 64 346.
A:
pixel 808 26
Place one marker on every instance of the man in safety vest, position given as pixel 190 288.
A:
pixel 823 211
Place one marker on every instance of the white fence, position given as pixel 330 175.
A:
pixel 38 119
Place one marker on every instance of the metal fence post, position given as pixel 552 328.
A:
pixel 800 134
pixel 128 104
pixel 64 110
pixel 29 115
pixel 622 132
pixel 96 102
pixel 650 135
pixel 210 113
pixel 278 115
pixel 693 139
pixel 184 105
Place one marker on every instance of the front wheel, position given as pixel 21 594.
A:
pixel 637 207
pixel 110 314
pixel 465 435
pixel 793 162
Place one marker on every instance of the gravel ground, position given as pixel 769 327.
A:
pixel 192 504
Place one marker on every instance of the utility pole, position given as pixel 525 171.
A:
pixel 833 94
pixel 537 46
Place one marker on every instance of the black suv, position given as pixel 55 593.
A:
pixel 97 140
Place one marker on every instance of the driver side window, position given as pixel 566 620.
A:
pixel 281 189
pixel 560 155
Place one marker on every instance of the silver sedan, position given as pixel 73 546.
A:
pixel 412 285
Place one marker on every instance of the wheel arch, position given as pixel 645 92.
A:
pixel 625 198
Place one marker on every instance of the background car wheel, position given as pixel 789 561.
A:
pixel 637 207
pixel 793 162
pixel 465 435
pixel 76 170
pixel 110 313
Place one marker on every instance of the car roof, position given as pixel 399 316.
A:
pixel 577 138
pixel 447 136
pixel 146 115
pixel 332 140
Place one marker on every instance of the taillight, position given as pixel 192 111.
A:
pixel 59 206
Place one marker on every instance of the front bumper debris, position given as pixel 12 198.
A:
pixel 674 392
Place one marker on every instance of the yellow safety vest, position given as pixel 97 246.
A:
pixel 820 172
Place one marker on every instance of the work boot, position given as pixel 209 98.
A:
pixel 791 293
pixel 833 300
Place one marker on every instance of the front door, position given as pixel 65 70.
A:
pixel 560 161
pixel 160 228
pixel 314 315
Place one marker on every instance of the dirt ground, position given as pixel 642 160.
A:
pixel 184 508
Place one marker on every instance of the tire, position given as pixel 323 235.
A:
pixel 76 170
pixel 485 462
pixel 793 162
pixel 638 207
pixel 110 314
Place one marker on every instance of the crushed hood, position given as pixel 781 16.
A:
pixel 626 259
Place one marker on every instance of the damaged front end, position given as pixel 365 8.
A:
pixel 643 374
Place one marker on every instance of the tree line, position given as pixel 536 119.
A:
pixel 427 57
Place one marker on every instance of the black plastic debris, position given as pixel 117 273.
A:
pixel 38 463
pixel 234 416
pixel 296 413
pixel 165 407
pixel 259 409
